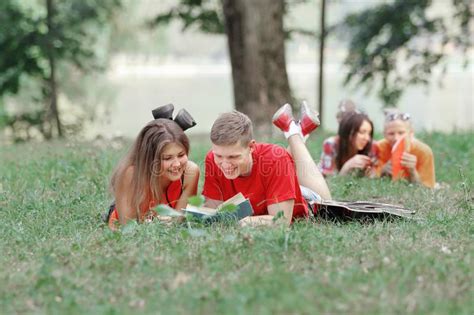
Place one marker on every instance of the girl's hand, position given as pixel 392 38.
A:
pixel 358 161
pixel 409 161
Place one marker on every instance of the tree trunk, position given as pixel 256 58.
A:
pixel 53 113
pixel 257 52
pixel 321 60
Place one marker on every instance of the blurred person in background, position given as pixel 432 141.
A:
pixel 345 106
pixel 416 158
pixel 351 149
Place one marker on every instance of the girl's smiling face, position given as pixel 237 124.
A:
pixel 173 161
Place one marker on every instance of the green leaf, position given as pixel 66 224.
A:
pixel 228 208
pixel 280 214
pixel 197 200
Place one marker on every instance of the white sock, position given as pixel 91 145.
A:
pixel 295 129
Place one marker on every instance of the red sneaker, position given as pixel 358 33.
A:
pixel 283 117
pixel 309 120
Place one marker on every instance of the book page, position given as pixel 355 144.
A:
pixel 201 210
pixel 235 200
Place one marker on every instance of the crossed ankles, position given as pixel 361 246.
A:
pixel 308 122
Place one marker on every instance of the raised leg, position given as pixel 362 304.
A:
pixel 306 169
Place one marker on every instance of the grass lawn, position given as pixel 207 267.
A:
pixel 58 257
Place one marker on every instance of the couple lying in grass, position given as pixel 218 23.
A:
pixel 156 170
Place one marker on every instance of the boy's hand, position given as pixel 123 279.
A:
pixel 409 161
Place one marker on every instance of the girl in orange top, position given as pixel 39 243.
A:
pixel 155 171
pixel 417 159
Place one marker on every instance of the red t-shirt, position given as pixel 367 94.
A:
pixel 272 180
pixel 173 192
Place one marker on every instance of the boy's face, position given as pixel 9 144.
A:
pixel 396 129
pixel 234 160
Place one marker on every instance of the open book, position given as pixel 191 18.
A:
pixel 234 208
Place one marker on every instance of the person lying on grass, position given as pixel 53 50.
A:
pixel 264 173
pixel 351 150
pixel 345 106
pixel 155 171
pixel 417 160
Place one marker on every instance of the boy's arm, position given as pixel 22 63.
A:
pixel 285 206
pixel 280 183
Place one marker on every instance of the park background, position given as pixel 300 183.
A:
pixel 111 69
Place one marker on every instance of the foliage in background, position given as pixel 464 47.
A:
pixel 400 43
pixel 208 17
pixel 37 38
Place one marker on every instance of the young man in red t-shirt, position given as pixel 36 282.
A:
pixel 267 174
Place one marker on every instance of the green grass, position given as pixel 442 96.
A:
pixel 57 256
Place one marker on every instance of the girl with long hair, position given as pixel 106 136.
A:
pixel 155 171
pixel 351 149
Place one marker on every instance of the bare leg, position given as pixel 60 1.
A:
pixel 306 169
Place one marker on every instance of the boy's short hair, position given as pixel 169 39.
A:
pixel 230 128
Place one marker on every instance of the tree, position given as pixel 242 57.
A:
pixel 257 56
pixel 399 44
pixel 322 37
pixel 36 37
pixel 255 37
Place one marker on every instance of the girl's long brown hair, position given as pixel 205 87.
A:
pixel 145 157
pixel 349 126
